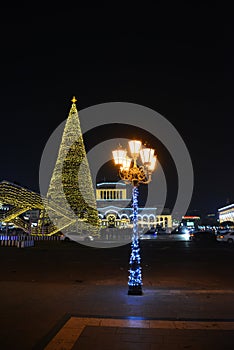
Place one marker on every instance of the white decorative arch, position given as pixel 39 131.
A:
pixel 151 217
pixel 145 218
pixel 124 216
pixel 114 212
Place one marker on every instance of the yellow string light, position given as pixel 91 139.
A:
pixel 69 176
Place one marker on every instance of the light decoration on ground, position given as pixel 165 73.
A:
pixel 132 173
pixel 71 177
pixel 20 200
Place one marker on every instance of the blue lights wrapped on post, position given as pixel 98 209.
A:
pixel 134 174
pixel 135 276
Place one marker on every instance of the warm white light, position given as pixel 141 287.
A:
pixel 135 147
pixel 126 164
pixel 119 155
pixel 147 155
pixel 152 164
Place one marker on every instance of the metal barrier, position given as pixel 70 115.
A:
pixel 23 241
pixel 25 244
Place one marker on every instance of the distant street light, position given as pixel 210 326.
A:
pixel 131 172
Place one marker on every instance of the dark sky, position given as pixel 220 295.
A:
pixel 175 60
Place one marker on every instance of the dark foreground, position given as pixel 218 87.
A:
pixel 43 286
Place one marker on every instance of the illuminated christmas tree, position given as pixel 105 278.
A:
pixel 71 186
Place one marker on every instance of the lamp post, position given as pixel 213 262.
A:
pixel 132 173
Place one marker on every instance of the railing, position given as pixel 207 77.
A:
pixel 24 241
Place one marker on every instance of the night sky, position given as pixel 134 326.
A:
pixel 175 60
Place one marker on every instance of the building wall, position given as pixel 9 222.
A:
pixel 112 194
pixel 114 209
pixel 226 213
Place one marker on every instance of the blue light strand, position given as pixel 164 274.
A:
pixel 135 275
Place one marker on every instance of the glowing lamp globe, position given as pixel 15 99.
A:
pixel 135 147
pixel 126 164
pixel 119 155
pixel 152 164
pixel 147 155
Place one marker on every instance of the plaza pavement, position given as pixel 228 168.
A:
pixel 48 302
pixel 61 316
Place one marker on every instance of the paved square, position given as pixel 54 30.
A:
pixel 81 333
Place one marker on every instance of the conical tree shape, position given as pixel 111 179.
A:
pixel 71 186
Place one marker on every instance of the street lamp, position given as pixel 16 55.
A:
pixel 132 173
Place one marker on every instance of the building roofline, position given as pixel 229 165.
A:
pixel 226 207
pixel 123 208
pixel 110 183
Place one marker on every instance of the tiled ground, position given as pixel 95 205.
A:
pixel 124 334
pixel 117 338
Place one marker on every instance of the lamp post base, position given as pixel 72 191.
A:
pixel 135 290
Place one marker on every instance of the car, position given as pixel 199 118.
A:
pixel 203 236
pixel 161 230
pixel 221 231
pixel 180 230
pixel 77 237
pixel 227 237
